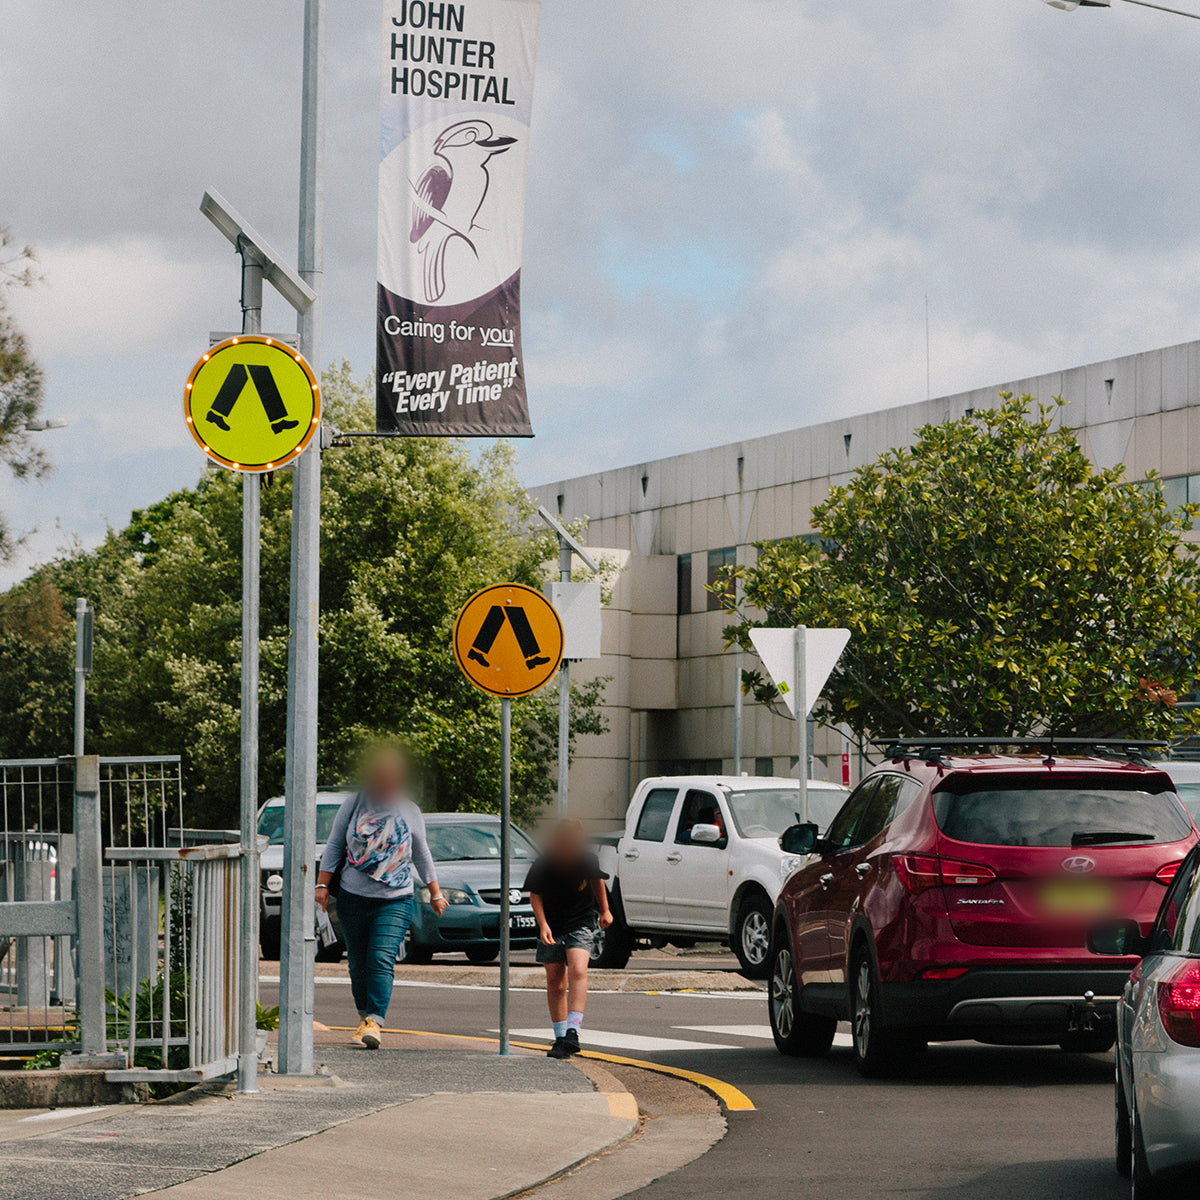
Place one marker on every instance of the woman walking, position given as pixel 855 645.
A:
pixel 377 839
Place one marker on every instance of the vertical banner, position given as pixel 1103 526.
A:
pixel 457 94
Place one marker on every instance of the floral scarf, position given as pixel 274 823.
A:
pixel 379 843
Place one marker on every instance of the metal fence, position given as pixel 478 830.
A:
pixel 149 921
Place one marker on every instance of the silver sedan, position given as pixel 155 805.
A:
pixel 1158 1040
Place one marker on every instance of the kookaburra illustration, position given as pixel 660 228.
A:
pixel 449 195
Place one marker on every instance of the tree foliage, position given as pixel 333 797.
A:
pixel 410 528
pixel 994 583
pixel 21 381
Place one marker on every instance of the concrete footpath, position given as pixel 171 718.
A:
pixel 451 1121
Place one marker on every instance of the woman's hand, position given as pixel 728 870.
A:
pixel 322 897
pixel 545 934
pixel 439 904
pixel 606 919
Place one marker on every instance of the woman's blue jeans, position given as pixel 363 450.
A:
pixel 374 931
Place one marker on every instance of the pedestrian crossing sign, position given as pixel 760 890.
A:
pixel 252 403
pixel 508 640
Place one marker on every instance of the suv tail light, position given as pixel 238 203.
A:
pixel 1167 872
pixel 1179 1004
pixel 919 872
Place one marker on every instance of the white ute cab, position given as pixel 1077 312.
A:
pixel 700 860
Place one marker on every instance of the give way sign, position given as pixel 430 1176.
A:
pixel 821 649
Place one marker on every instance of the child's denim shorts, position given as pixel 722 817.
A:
pixel 574 939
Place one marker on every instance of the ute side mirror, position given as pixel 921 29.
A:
pixel 799 839
pixel 1118 939
pixel 706 835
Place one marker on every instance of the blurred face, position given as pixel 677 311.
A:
pixel 567 842
pixel 387 775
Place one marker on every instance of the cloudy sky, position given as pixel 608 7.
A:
pixel 735 213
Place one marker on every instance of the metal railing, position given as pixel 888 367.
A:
pixel 119 935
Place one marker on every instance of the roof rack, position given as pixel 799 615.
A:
pixel 933 749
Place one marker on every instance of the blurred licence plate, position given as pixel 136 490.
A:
pixel 522 921
pixel 1077 899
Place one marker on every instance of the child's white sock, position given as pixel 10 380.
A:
pixel 560 1027
pixel 575 1021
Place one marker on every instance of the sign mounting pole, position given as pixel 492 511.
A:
pixel 800 675
pixel 508 641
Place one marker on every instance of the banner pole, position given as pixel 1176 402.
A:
pixel 505 851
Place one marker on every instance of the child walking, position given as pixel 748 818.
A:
pixel 568 896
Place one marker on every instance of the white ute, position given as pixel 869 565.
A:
pixel 700 860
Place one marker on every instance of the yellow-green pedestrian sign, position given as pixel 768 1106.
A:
pixel 252 403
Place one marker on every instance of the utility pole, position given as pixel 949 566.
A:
pixel 298 933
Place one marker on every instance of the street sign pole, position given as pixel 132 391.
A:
pixel 505 850
pixel 298 930
pixel 800 675
pixel 252 281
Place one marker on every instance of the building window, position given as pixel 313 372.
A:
pixel 683 584
pixel 764 768
pixel 718 560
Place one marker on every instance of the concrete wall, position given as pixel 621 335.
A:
pixel 671 698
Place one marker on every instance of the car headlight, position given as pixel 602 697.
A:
pixel 789 863
pixel 450 895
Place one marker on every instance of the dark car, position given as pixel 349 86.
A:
pixel 466 848
pixel 952 898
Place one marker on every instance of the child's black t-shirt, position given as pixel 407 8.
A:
pixel 566 892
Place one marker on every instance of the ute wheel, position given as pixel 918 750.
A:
pixel 752 936
pixel 1122 1127
pixel 878 1051
pixel 796 1033
pixel 482 954
pixel 612 947
pixel 269 940
pixel 1095 1041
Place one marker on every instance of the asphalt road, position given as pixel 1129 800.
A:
pixel 970 1123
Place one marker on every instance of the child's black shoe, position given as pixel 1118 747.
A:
pixel 559 1049
pixel 570 1043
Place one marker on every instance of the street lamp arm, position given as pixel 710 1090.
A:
pixel 1179 12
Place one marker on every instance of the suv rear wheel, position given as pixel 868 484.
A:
pixel 878 1051
pixel 752 935
pixel 796 1033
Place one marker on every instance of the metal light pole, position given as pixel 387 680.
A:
pixel 800 669
pixel 297 933
pixel 1072 5
pixel 567 545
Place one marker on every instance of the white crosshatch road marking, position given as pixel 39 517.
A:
pixel 843 1040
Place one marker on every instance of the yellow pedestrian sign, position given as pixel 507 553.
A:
pixel 508 640
pixel 252 403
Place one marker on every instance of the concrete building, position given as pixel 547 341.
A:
pixel 673 523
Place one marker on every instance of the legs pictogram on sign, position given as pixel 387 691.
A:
pixel 268 394
pixel 493 623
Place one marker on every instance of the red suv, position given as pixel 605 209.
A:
pixel 952 895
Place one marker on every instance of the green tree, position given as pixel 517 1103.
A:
pixel 21 381
pixel 994 583
pixel 410 528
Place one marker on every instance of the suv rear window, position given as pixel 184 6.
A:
pixel 1053 812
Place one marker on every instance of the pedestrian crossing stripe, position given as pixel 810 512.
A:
pixel 252 403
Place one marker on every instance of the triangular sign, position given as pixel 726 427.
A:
pixel 777 649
